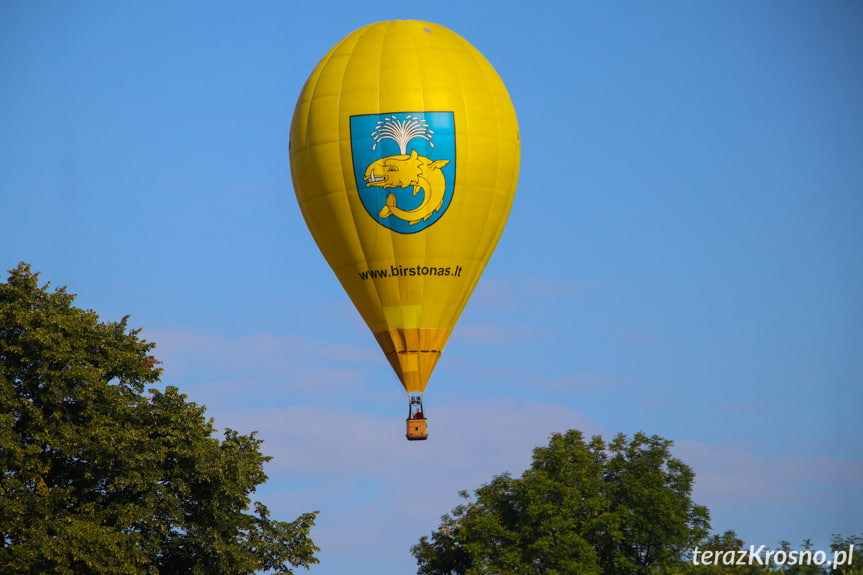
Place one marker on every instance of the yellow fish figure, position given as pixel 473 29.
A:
pixel 415 171
pixel 404 158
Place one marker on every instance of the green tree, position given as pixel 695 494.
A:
pixel 798 566
pixel 851 554
pixel 725 551
pixel 101 477
pixel 582 507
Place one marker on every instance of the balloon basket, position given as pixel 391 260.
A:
pixel 417 429
pixel 416 421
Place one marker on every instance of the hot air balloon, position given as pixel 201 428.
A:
pixel 404 152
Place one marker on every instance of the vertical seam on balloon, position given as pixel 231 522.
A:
pixel 389 233
pixel 424 242
pixel 307 159
pixel 486 66
pixel 465 296
pixel 464 148
pixel 477 261
pixel 321 66
pixel 374 285
pixel 495 235
pixel 489 241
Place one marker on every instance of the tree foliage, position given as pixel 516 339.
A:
pixel 101 477
pixel 727 544
pixel 582 507
pixel 854 565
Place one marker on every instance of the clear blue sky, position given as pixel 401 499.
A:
pixel 683 256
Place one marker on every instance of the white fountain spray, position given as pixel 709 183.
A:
pixel 402 131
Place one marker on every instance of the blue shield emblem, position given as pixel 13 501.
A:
pixel 404 167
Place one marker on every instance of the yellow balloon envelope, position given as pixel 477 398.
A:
pixel 404 157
